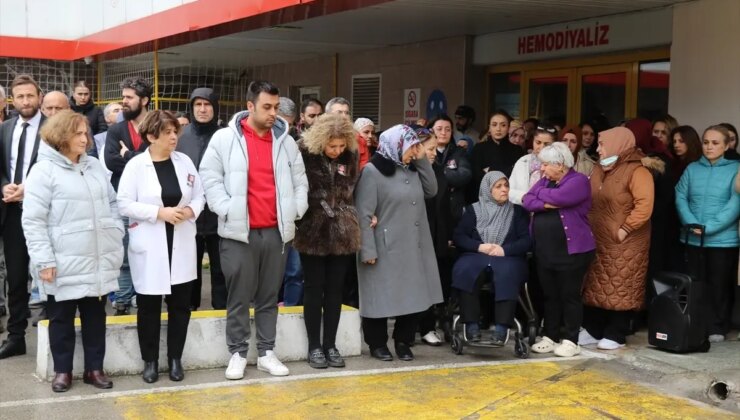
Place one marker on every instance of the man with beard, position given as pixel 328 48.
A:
pixel 19 146
pixel 464 119
pixel 256 183
pixel 193 142
pixel 121 145
pixel 311 108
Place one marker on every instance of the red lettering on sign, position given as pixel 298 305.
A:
pixel 563 40
pixel 604 36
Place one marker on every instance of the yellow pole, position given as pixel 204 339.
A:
pixel 99 94
pixel 156 75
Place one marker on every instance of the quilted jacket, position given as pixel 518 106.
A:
pixel 622 198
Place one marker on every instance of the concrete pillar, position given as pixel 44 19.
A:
pixel 705 63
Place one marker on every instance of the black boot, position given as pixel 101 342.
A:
pixel 176 372
pixel 151 372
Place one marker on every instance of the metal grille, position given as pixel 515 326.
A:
pixel 366 97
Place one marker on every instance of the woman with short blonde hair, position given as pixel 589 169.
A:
pixel 328 235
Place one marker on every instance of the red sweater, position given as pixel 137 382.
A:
pixel 364 151
pixel 261 192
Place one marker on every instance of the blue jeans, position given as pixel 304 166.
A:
pixel 125 285
pixel 293 279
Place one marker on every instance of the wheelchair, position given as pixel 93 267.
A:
pixel 458 339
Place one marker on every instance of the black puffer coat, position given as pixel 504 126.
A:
pixel 194 142
pixel 93 113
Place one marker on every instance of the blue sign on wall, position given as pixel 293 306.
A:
pixel 436 104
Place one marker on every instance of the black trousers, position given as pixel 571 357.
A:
pixel 470 309
pixel 218 282
pixel 605 323
pixel 62 332
pixel 148 322
pixel 428 319
pixel 323 281
pixel 563 303
pixel 719 272
pixel 375 330
pixel 16 263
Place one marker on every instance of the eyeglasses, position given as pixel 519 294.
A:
pixel 548 129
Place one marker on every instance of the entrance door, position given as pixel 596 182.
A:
pixel 603 94
pixel 547 94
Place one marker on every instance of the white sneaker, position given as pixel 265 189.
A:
pixel 586 339
pixel 567 348
pixel 717 338
pixel 269 363
pixel 607 344
pixel 545 345
pixel 432 338
pixel 235 370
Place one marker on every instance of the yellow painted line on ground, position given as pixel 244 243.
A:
pixel 533 390
pixel 131 319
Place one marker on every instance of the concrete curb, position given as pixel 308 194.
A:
pixel 205 346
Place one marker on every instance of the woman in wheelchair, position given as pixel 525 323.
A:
pixel 493 235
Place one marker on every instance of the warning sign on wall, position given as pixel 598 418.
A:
pixel 411 106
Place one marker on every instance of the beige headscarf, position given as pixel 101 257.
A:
pixel 616 142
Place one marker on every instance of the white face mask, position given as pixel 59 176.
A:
pixel 608 161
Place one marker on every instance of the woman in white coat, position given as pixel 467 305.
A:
pixel 161 193
pixel 527 169
pixel 74 236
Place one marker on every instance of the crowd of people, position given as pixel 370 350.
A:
pixel 303 205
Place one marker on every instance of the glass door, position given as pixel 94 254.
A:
pixel 603 94
pixel 547 95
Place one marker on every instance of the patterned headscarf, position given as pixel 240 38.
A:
pixel 395 141
pixel 493 220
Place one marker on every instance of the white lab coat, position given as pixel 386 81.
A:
pixel 139 199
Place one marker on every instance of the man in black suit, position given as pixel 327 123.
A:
pixel 122 143
pixel 19 146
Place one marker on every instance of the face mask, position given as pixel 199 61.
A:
pixel 608 161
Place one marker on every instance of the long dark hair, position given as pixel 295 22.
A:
pixel 692 141
pixel 591 151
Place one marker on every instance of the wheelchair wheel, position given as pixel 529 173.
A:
pixel 531 333
pixel 457 345
pixel 520 348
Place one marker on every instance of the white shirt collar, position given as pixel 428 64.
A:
pixel 35 121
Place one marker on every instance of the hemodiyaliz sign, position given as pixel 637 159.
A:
pixel 565 39
pixel 624 32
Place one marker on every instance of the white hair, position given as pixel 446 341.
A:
pixel 286 108
pixel 557 152
pixel 337 100
pixel 109 108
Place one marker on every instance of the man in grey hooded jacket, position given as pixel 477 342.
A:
pixel 193 142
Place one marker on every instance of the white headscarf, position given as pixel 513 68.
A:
pixel 361 123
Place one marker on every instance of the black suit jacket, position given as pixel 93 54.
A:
pixel 6 143
pixel 118 132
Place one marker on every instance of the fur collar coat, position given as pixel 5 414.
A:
pixel 330 226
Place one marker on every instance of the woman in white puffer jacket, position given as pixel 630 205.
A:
pixel 74 236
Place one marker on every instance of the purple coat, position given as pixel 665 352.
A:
pixel 573 197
